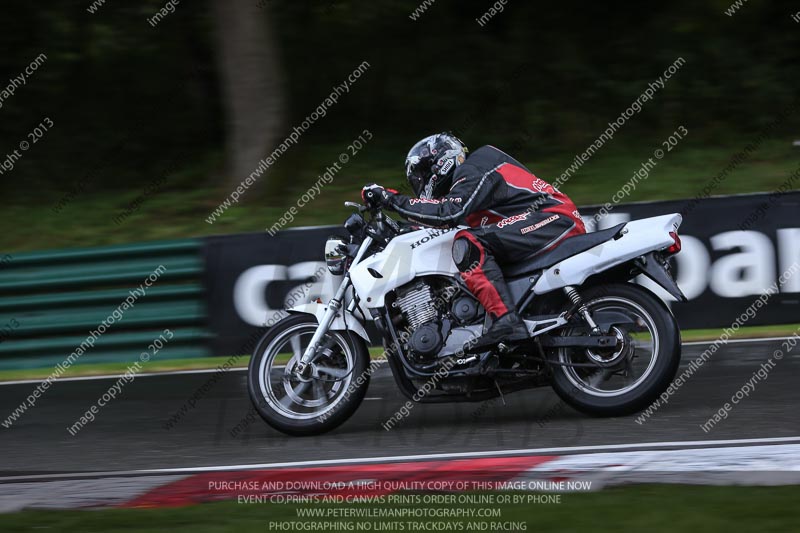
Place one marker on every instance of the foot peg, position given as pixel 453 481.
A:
pixel 505 331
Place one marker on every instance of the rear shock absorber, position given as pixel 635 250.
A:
pixel 573 295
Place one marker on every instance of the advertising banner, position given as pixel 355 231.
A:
pixel 736 250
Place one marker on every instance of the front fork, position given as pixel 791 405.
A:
pixel 334 306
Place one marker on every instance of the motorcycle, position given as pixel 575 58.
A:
pixel 607 346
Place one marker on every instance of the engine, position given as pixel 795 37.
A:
pixel 416 304
pixel 431 315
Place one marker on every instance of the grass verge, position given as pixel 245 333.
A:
pixel 652 508
pixel 207 363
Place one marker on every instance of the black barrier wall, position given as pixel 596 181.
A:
pixel 734 249
pixel 252 277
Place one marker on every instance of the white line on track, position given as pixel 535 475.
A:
pixel 117 376
pixel 737 341
pixel 243 368
pixel 144 374
pixel 402 458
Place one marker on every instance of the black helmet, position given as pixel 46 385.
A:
pixel 431 163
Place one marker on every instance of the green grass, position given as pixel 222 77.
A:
pixel 651 508
pixel 199 363
pixel 165 365
pixel 751 332
pixel 181 208
pixel 101 369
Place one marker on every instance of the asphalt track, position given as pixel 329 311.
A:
pixel 129 433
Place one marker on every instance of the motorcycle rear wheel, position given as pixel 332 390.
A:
pixel 632 375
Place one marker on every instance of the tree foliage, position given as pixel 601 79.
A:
pixel 130 100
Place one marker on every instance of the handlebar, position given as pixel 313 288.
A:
pixel 379 218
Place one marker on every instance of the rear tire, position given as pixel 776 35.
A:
pixel 665 346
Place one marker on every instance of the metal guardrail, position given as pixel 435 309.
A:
pixel 50 301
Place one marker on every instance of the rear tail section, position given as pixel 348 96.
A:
pixel 639 238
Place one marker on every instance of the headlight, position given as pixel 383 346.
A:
pixel 334 256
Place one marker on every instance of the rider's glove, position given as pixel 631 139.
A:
pixel 376 196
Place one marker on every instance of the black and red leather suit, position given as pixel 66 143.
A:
pixel 512 214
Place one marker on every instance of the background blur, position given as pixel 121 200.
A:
pixel 126 122
pixel 183 109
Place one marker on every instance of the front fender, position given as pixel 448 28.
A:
pixel 344 321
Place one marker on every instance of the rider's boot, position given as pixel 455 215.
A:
pixel 509 328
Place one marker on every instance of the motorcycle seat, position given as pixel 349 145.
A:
pixel 567 248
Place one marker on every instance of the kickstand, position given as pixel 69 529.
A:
pixel 503 398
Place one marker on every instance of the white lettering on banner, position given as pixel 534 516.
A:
pixel 250 289
pixel 694 264
pixel 322 287
pixel 749 270
pixel 789 246
pixel 743 273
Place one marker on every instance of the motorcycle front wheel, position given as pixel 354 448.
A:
pixel 321 398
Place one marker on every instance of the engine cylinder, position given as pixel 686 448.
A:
pixel 416 305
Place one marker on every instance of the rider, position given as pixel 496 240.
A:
pixel 513 216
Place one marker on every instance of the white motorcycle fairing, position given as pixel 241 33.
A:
pixel 428 252
pixel 408 256
pixel 639 237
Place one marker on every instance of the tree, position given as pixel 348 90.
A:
pixel 252 84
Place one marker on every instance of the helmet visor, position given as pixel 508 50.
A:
pixel 418 177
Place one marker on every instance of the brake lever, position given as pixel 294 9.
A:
pixel 361 208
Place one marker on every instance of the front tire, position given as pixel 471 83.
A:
pixel 635 373
pixel 318 401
